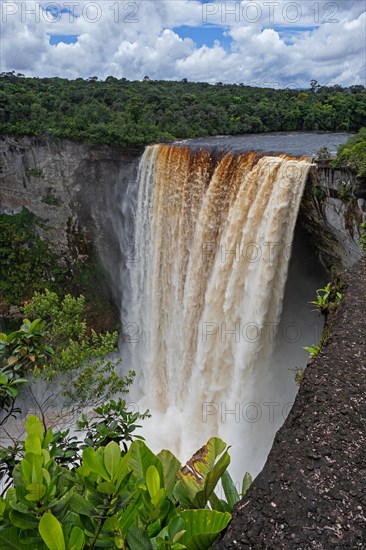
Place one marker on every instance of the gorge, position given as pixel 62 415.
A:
pixel 189 266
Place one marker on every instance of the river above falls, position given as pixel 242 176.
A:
pixel 291 143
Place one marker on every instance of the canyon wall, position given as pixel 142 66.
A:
pixel 332 208
pixel 68 184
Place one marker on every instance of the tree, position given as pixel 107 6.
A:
pixel 55 349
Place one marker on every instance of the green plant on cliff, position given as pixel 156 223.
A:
pixel 130 499
pixel 344 191
pixel 362 240
pixel 323 153
pixel 318 192
pixel 327 301
pixel 353 154
pixel 327 298
pixel 34 172
pixel 27 264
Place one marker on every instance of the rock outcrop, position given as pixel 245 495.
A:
pixel 65 184
pixel 332 208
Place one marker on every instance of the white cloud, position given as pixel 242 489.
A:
pixel 134 39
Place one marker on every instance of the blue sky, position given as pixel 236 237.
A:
pixel 262 41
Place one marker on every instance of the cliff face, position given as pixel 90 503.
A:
pixel 69 185
pixel 65 184
pixel 332 208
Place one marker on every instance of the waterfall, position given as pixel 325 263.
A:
pixel 213 236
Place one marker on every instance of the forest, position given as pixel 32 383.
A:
pixel 134 113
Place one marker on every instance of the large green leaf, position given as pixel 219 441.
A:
pixel 94 462
pixel 81 506
pixel 152 480
pixel 50 530
pixel 199 477
pixel 140 458
pixel 137 539
pixel 76 540
pixel 171 467
pixel 202 527
pixel 112 458
pixel 23 520
pixel 33 444
pixel 231 493
pixel 34 427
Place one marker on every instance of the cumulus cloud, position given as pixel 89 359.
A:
pixel 278 42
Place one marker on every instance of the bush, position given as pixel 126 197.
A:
pixel 115 499
pixel 353 154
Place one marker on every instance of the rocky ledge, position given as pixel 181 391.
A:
pixel 311 492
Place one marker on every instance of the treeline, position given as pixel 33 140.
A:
pixel 121 112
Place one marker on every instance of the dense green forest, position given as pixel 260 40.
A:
pixel 120 112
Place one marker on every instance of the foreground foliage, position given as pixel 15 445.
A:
pixel 115 499
pixel 120 112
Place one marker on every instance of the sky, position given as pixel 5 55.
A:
pixel 272 43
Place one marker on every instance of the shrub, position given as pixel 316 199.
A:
pixel 115 499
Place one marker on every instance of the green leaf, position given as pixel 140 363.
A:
pixel 199 477
pixel 231 493
pixel 175 528
pixel 34 427
pixel 81 506
pixel 92 460
pixel 33 444
pixel 202 527
pixel 159 497
pixel 59 505
pixel 9 538
pixel 152 480
pixel 106 487
pixel 112 457
pixel 77 539
pixel 50 530
pixel 3 379
pixel 23 520
pixel 171 467
pixel 137 539
pixel 35 491
pixel 26 468
pixel 140 458
pixel 247 481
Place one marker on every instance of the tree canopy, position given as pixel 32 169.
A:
pixel 134 113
